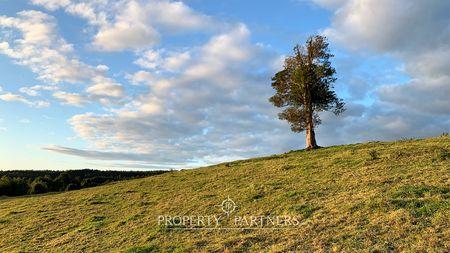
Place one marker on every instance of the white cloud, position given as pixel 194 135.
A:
pixel 51 57
pixel 34 90
pixel 385 25
pixel 416 32
pixel 127 29
pixel 123 36
pixel 40 48
pixel 28 91
pixel 186 115
pixel 133 25
pixel 150 59
pixel 134 160
pixel 140 77
pixel 41 104
pixel 105 87
pixel 176 16
pixel 162 60
pixel 232 46
pixel 10 97
pixel 176 61
pixel 102 68
pixel 209 103
pixel 52 4
pixel 74 99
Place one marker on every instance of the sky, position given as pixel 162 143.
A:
pixel 159 84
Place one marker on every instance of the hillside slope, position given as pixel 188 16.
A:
pixel 378 196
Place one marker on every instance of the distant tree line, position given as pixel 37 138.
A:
pixel 23 182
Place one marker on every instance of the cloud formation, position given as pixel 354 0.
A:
pixel 207 102
pixel 38 46
pixel 74 99
pixel 213 108
pixel 10 97
pixel 34 90
pixel 417 32
pixel 132 25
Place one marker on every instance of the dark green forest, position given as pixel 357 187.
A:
pixel 24 182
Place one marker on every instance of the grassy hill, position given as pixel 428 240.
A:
pixel 371 197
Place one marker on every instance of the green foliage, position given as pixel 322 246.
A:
pixel 13 186
pixel 373 155
pixel 22 182
pixel 304 210
pixel 38 187
pixel 98 218
pixel 72 186
pixel 419 191
pixel 444 154
pixel 305 85
pixel 5 185
pixel 419 207
pixel 421 200
pixel 287 167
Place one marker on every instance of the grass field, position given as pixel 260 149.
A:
pixel 371 197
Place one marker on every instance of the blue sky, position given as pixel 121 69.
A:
pixel 165 84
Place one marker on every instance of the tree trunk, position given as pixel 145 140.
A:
pixel 310 137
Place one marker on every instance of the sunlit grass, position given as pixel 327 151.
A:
pixel 371 197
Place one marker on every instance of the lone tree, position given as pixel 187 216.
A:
pixel 305 87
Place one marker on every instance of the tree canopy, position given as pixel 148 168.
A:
pixel 304 87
